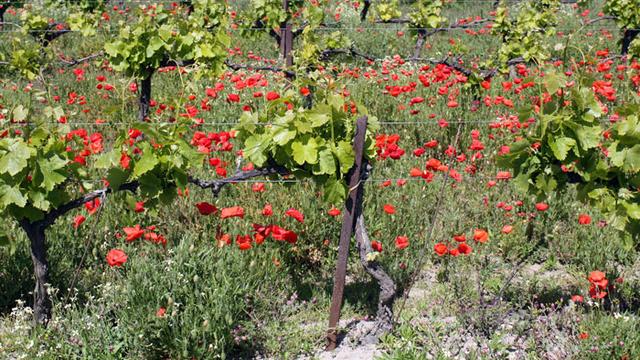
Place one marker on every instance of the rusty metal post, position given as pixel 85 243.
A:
pixel 286 38
pixel 348 224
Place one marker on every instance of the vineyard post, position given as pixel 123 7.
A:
pixel 286 38
pixel 348 224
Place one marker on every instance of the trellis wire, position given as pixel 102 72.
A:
pixel 133 124
pixel 391 27
pixel 309 181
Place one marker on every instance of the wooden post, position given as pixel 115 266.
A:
pixel 286 38
pixel 348 224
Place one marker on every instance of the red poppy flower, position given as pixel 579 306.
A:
pixel 281 234
pixel 503 175
pixel 416 100
pixel 577 298
pixel 295 214
pixel 431 144
pixel 596 292
pixel 480 235
pixel 389 209
pixel 440 249
pixel 599 284
pixel 205 208
pixel 92 206
pixel 139 207
pixel 161 311
pixel 261 232
pixel 598 278
pixel 133 233
pixel 78 220
pixel 465 249
pixel 258 187
pixel 116 257
pixel 460 238
pixel 507 229
pixel 134 133
pixel 334 212
pixel 125 160
pixel 376 246
pixel 584 219
pixel 267 210
pixel 402 242
pixel 414 172
pixel 234 211
pixel 304 91
pixel 542 206
pixel 271 96
pixel 244 242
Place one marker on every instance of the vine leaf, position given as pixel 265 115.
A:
pixel 305 153
pixel 16 156
pixel 632 163
pixel 561 147
pixel 12 195
pixel 50 172
pixel 146 163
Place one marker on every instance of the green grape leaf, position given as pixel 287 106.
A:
pixel 334 191
pixel 39 200
pixel 20 113
pixel 12 195
pixel 561 146
pixel 632 159
pixel 15 160
pixel 588 136
pixel 327 162
pixel 346 156
pixel 5 240
pixel 254 148
pixel 50 171
pixel 116 177
pixel 147 162
pixel 283 135
pixel 305 152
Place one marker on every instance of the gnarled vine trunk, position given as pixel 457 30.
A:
pixel 627 38
pixel 422 34
pixel 384 316
pixel 365 10
pixel 145 97
pixel 41 300
pixel 388 291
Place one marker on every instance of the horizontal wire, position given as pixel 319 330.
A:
pixel 296 181
pixel 106 3
pixel 362 28
pixel 133 124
